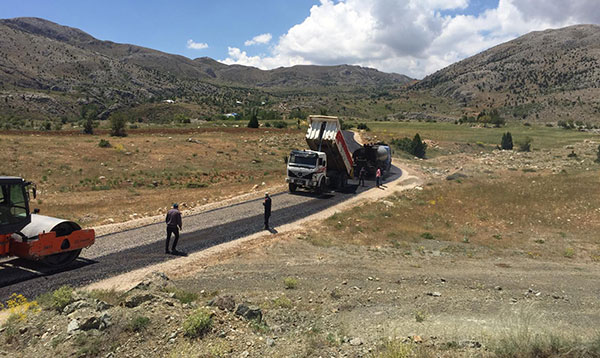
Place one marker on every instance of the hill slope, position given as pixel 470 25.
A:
pixel 70 67
pixel 547 75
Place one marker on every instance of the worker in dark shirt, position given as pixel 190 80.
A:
pixel 267 205
pixel 174 224
pixel 361 176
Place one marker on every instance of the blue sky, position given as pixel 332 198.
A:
pixel 168 25
pixel 412 37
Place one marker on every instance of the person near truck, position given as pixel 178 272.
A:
pixel 174 224
pixel 267 205
pixel 361 176
pixel 378 177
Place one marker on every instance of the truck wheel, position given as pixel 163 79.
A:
pixel 344 181
pixel 292 187
pixel 322 187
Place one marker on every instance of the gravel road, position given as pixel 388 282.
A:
pixel 136 248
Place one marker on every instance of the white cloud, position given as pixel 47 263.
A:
pixel 196 45
pixel 237 56
pixel 259 39
pixel 411 37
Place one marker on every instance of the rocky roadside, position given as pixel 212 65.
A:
pixel 153 320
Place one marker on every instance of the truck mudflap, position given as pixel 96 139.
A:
pixel 47 244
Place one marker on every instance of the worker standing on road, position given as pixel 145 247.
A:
pixel 361 176
pixel 174 224
pixel 378 177
pixel 267 205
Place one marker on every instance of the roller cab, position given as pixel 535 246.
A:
pixel 53 241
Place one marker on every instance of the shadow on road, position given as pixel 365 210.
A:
pixel 20 270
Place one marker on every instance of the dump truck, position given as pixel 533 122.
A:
pixel 54 242
pixel 371 157
pixel 328 162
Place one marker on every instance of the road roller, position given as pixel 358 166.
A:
pixel 54 242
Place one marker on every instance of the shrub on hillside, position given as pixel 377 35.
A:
pixel 290 283
pixel 280 124
pixel 363 126
pixel 507 142
pixel 345 125
pixel 57 299
pixel 414 147
pixel 402 144
pixel 525 145
pixel 104 143
pixel 197 323
pixel 138 323
pixel 566 124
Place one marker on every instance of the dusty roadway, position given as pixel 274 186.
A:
pixel 129 250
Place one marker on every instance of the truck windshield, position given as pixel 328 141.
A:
pixel 13 204
pixel 303 160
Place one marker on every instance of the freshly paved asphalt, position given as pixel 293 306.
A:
pixel 128 250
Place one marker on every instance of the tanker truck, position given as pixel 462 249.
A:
pixel 54 242
pixel 328 162
pixel 371 157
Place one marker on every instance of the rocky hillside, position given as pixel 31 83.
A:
pixel 51 70
pixel 548 76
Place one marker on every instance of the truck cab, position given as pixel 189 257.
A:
pixel 307 169
pixel 327 162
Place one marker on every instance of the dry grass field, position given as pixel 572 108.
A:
pixel 534 215
pixel 144 173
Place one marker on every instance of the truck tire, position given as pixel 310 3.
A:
pixel 322 187
pixel 292 187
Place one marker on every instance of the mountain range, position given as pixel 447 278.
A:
pixel 50 71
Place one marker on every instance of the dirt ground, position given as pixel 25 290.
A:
pixel 480 252
pixel 373 294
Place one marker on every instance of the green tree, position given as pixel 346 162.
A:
pixel 598 155
pixel 253 122
pixel 297 113
pixel 507 142
pixel 88 127
pixel 117 125
pixel 418 147
pixel 88 113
